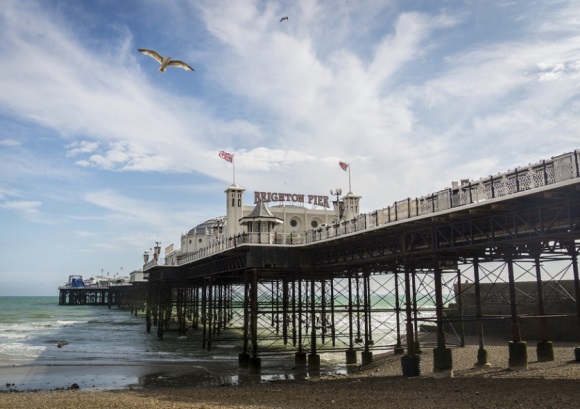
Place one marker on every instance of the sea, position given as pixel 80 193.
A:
pixel 109 348
pixel 97 337
pixel 31 328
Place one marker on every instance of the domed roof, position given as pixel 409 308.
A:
pixel 215 223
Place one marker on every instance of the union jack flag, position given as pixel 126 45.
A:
pixel 226 156
pixel 343 165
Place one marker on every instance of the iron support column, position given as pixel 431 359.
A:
pixel 544 348
pixel 518 352
pixel 332 323
pixel 254 362
pixel 573 251
pixel 442 357
pixel 244 357
pixel 398 347
pixel 367 355
pixel 210 312
pixel 204 312
pixel 300 356
pixel 411 363
pixel 285 311
pixel 415 312
pixel 313 357
pixel 482 361
pixel 460 307
pixel 350 353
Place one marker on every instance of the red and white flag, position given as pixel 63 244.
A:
pixel 343 165
pixel 226 156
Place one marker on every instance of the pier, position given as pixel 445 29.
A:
pixel 373 281
pixel 105 292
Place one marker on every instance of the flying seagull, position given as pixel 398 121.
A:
pixel 165 61
pixel 283 18
pixel 60 344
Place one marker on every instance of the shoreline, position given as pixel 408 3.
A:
pixel 110 376
pixel 379 384
pixel 46 377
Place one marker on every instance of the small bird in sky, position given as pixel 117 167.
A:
pixel 165 61
pixel 283 18
pixel 60 344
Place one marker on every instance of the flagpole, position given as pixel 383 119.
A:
pixel 234 168
pixel 349 189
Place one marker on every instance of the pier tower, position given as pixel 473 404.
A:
pixel 351 206
pixel 234 209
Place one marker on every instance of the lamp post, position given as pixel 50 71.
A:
pixel 337 192
pixel 157 250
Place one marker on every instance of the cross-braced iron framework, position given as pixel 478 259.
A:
pixel 378 287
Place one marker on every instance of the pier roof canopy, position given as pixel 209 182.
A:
pixel 215 223
pixel 261 213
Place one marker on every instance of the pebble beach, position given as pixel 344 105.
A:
pixel 554 384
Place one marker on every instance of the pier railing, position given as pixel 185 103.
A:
pixel 534 176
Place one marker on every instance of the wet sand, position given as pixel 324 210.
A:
pixel 34 377
pixel 101 377
pixel 543 385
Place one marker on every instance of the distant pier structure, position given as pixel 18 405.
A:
pixel 123 292
pixel 77 292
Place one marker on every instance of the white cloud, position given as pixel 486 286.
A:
pixel 552 70
pixel 9 142
pixel 304 98
pixel 80 147
pixel 83 234
pixel 118 205
pixel 104 99
pixel 29 210
pixel 412 94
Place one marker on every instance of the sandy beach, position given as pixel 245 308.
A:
pixel 554 384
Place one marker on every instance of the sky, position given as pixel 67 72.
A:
pixel 102 155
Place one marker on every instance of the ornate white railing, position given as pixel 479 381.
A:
pixel 558 169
